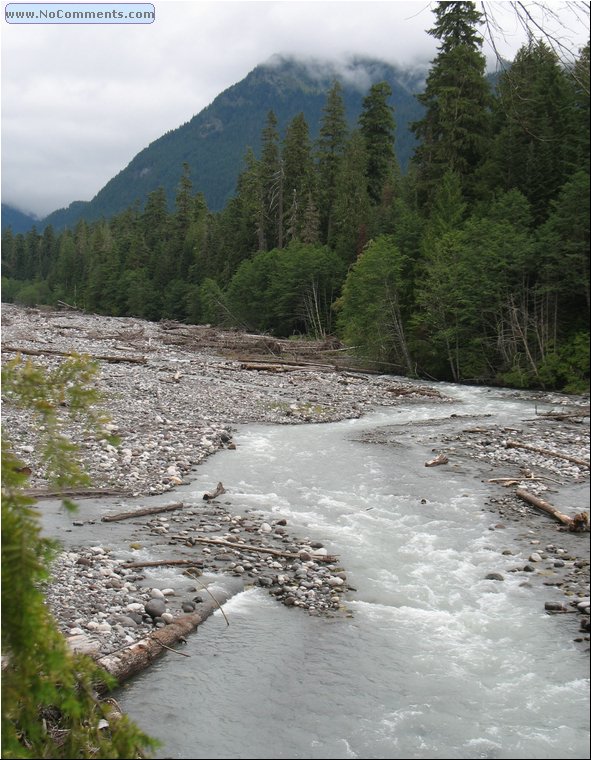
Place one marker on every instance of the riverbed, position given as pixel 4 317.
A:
pixel 432 658
pixel 437 643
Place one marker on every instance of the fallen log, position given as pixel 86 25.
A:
pixel 514 480
pixel 142 512
pixel 270 367
pixel 65 305
pixel 439 459
pixel 55 352
pixel 262 549
pixel 162 563
pixel 564 415
pixel 126 662
pixel 71 493
pixel 546 452
pixel 577 523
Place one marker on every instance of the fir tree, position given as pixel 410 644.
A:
pixel 454 133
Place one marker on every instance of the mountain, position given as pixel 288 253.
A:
pixel 17 220
pixel 214 141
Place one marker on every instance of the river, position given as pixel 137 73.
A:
pixel 433 661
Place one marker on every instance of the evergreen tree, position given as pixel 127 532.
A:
pixel 454 134
pixel 330 149
pixel 582 116
pixel 9 264
pixel 272 180
pixel 352 210
pixel 298 175
pixel 154 219
pixel 376 125
pixel 438 327
pixel 537 139
pixel 49 703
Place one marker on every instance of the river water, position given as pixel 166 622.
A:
pixel 434 661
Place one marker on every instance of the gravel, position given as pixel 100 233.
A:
pixel 174 394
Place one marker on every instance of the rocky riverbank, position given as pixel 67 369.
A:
pixel 175 394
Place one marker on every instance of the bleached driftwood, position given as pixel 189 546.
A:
pixel 55 352
pixel 439 459
pixel 546 452
pixel 142 512
pixel 577 523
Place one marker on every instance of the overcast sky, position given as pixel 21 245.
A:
pixel 79 101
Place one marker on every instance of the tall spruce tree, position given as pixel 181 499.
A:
pixel 454 134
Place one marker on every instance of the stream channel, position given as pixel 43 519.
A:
pixel 432 660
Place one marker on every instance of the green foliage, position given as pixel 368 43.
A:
pixel 371 309
pixel 49 706
pixel 32 293
pixel 286 290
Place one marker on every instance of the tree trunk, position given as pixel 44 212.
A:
pixel 126 662
pixel 578 523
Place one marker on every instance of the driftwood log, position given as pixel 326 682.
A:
pixel 219 490
pixel 577 523
pixel 130 660
pixel 546 452
pixel 261 549
pixel 55 352
pixel 439 459
pixel 142 512
pixel 163 563
pixel 70 493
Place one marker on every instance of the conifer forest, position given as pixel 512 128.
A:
pixel 471 266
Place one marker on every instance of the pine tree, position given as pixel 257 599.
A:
pixel 455 131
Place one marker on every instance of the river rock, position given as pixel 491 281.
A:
pixel 155 608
